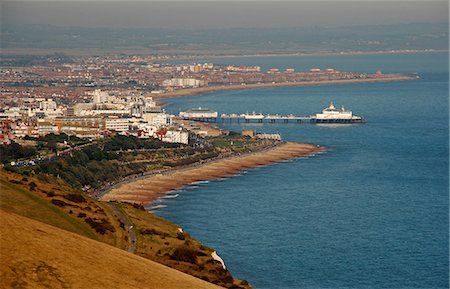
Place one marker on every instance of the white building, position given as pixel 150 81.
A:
pixel 199 113
pixel 183 82
pixel 47 104
pixel 176 136
pixel 46 127
pixel 48 108
pixel 117 124
pixel 272 136
pixel 99 96
pixel 88 109
pixel 157 118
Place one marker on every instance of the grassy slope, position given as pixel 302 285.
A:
pixel 17 195
pixel 157 239
pixel 36 255
pixel 14 198
pixel 161 241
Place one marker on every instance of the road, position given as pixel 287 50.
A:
pixel 129 227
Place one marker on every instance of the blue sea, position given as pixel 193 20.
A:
pixel 372 212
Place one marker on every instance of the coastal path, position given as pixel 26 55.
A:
pixel 129 227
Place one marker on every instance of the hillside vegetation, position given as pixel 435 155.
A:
pixel 48 200
pixel 36 255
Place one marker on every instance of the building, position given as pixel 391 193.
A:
pixel 199 113
pixel 117 124
pixel 232 68
pixel 176 136
pixel 47 127
pixel 183 82
pixel 87 126
pixel 248 132
pixel 157 118
pixel 271 136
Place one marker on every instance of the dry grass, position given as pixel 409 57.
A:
pixel 48 200
pixel 149 189
pixel 161 241
pixel 36 255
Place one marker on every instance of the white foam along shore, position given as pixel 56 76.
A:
pixel 148 189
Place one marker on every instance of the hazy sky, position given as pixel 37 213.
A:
pixel 220 14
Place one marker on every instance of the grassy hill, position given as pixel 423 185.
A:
pixel 84 231
pixel 49 200
pixel 37 255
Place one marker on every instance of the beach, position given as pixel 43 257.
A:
pixel 149 189
pixel 208 89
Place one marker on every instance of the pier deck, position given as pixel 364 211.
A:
pixel 269 119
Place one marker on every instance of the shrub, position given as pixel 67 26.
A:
pixel 33 186
pixel 59 203
pixel 180 236
pixel 100 226
pixel 138 206
pixel 51 194
pixel 76 198
pixel 24 179
pixel 43 178
pixel 184 254
pixel 81 215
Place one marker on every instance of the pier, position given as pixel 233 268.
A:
pixel 329 115
pixel 230 118
pixel 260 118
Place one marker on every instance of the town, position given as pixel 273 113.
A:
pixel 91 97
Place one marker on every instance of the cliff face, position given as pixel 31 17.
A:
pixel 43 219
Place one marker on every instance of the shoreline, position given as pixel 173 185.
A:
pixel 219 54
pixel 209 89
pixel 151 188
pixel 306 54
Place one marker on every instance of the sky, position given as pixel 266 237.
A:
pixel 220 14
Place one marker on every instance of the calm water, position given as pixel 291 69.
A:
pixel 370 213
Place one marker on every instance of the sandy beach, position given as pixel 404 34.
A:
pixel 149 189
pixel 207 89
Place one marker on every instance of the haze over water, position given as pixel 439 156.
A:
pixel 372 212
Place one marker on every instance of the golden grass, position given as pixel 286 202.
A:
pixel 15 198
pixel 19 198
pixel 36 255
pixel 158 239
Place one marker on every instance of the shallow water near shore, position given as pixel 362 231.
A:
pixel 372 212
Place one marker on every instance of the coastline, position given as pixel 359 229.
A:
pixel 208 89
pixel 149 189
pixel 213 54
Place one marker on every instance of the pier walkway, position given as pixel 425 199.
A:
pixel 274 118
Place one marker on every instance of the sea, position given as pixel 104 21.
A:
pixel 371 212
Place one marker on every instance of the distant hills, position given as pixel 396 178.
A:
pixel 413 36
